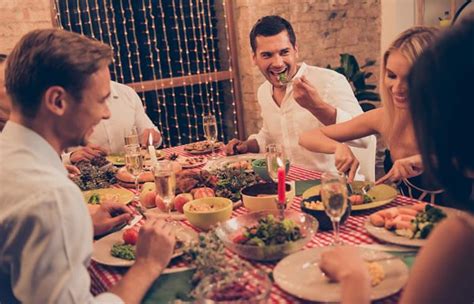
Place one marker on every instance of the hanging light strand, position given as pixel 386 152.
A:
pixel 232 93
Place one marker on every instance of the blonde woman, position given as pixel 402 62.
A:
pixel 392 121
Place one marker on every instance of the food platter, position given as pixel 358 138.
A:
pixel 101 248
pixel 119 195
pixel 201 147
pixel 381 194
pixel 391 237
pixel 191 162
pixel 226 161
pixel 299 275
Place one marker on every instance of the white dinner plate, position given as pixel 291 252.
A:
pixel 299 275
pixel 101 248
pixel 225 161
pixel 391 237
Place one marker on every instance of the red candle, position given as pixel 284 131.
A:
pixel 281 185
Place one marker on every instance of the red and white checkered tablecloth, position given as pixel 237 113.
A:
pixel 352 232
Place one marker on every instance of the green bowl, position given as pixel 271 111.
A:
pixel 259 166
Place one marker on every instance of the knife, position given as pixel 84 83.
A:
pixel 133 222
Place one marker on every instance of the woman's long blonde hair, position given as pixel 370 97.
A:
pixel 411 44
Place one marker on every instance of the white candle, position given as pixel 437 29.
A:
pixel 151 150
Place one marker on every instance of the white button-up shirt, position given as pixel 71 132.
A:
pixel 126 111
pixel 46 231
pixel 284 124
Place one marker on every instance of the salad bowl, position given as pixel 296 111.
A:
pixel 270 247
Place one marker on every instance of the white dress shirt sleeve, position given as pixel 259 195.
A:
pixel 142 120
pixel 53 245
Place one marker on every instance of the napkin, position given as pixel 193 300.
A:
pixel 170 287
pixel 303 185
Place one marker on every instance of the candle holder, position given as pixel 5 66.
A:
pixel 281 206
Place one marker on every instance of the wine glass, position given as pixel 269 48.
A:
pixel 275 159
pixel 165 183
pixel 210 131
pixel 134 165
pixel 334 197
pixel 132 137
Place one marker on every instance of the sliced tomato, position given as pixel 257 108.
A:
pixel 239 239
pixel 130 236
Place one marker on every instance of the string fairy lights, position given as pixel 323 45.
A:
pixel 162 46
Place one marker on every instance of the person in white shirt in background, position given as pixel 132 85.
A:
pixel 4 100
pixel 126 111
pixel 59 84
pixel 310 97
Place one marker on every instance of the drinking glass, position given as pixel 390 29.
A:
pixel 132 137
pixel 210 131
pixel 275 159
pixel 334 197
pixel 134 165
pixel 165 183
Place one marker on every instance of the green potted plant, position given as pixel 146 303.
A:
pixel 355 74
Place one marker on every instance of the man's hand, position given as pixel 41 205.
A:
pixel 87 153
pixel 72 171
pixel 308 97
pixel 305 94
pixel 343 263
pixel 345 161
pixel 403 168
pixel 110 215
pixel 155 245
pixel 235 146
pixel 146 134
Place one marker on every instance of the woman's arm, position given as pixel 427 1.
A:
pixel 443 271
pixel 326 139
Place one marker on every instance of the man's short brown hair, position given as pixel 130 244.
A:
pixel 51 57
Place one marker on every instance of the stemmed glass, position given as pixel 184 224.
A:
pixel 165 183
pixel 334 197
pixel 210 131
pixel 132 137
pixel 134 165
pixel 275 159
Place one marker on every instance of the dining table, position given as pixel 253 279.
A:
pixel 352 232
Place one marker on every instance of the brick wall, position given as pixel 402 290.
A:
pixel 17 17
pixel 324 29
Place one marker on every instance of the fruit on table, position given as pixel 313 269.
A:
pixel 180 200
pixel 160 204
pixel 149 199
pixel 147 188
pixel 130 236
pixel 202 192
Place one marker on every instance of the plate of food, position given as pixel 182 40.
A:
pixel 299 275
pixel 117 159
pixel 407 225
pixel 262 236
pixel 376 196
pixel 97 196
pixel 191 162
pixel 118 248
pixel 241 161
pixel 201 147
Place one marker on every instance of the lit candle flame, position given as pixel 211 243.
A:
pixel 150 139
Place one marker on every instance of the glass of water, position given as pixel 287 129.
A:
pixel 210 131
pixel 165 183
pixel 334 197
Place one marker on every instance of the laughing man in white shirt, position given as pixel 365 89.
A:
pixel 295 98
pixel 59 83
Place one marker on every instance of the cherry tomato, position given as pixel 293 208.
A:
pixel 130 236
